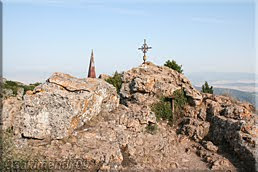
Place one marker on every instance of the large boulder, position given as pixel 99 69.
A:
pixel 144 83
pixel 63 103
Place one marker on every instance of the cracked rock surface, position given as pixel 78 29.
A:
pixel 69 118
pixel 63 103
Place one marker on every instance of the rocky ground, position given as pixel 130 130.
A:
pixel 67 118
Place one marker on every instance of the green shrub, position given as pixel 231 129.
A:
pixel 15 85
pixel 30 87
pixel 151 128
pixel 206 88
pixel 180 100
pixel 163 109
pixel 116 81
pixel 12 86
pixel 173 65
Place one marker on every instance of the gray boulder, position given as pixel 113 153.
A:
pixel 63 103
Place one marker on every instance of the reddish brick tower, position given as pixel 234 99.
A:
pixel 92 73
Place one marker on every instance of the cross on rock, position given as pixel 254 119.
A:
pixel 144 49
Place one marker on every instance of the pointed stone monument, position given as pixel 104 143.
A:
pixel 92 73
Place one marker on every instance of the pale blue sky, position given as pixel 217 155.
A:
pixel 44 36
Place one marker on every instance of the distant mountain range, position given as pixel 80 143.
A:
pixel 239 95
pixel 197 77
pixel 242 86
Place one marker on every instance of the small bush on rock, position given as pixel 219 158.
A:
pixel 151 128
pixel 11 85
pixel 206 88
pixel 163 108
pixel 173 65
pixel 180 101
pixel 116 81
pixel 30 87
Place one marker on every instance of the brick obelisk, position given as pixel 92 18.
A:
pixel 92 73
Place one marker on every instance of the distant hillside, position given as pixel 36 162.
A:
pixel 200 77
pixel 239 95
pixel 245 82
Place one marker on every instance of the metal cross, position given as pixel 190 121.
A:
pixel 144 49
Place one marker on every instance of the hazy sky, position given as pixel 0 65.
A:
pixel 44 36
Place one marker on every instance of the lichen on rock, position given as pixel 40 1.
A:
pixel 63 103
pixel 148 81
pixel 67 117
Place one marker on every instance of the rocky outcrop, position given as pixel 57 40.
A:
pixel 230 123
pixel 11 114
pixel 104 76
pixel 144 83
pixel 63 103
pixel 234 124
pixel 69 118
pixel 120 141
pixel 217 119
